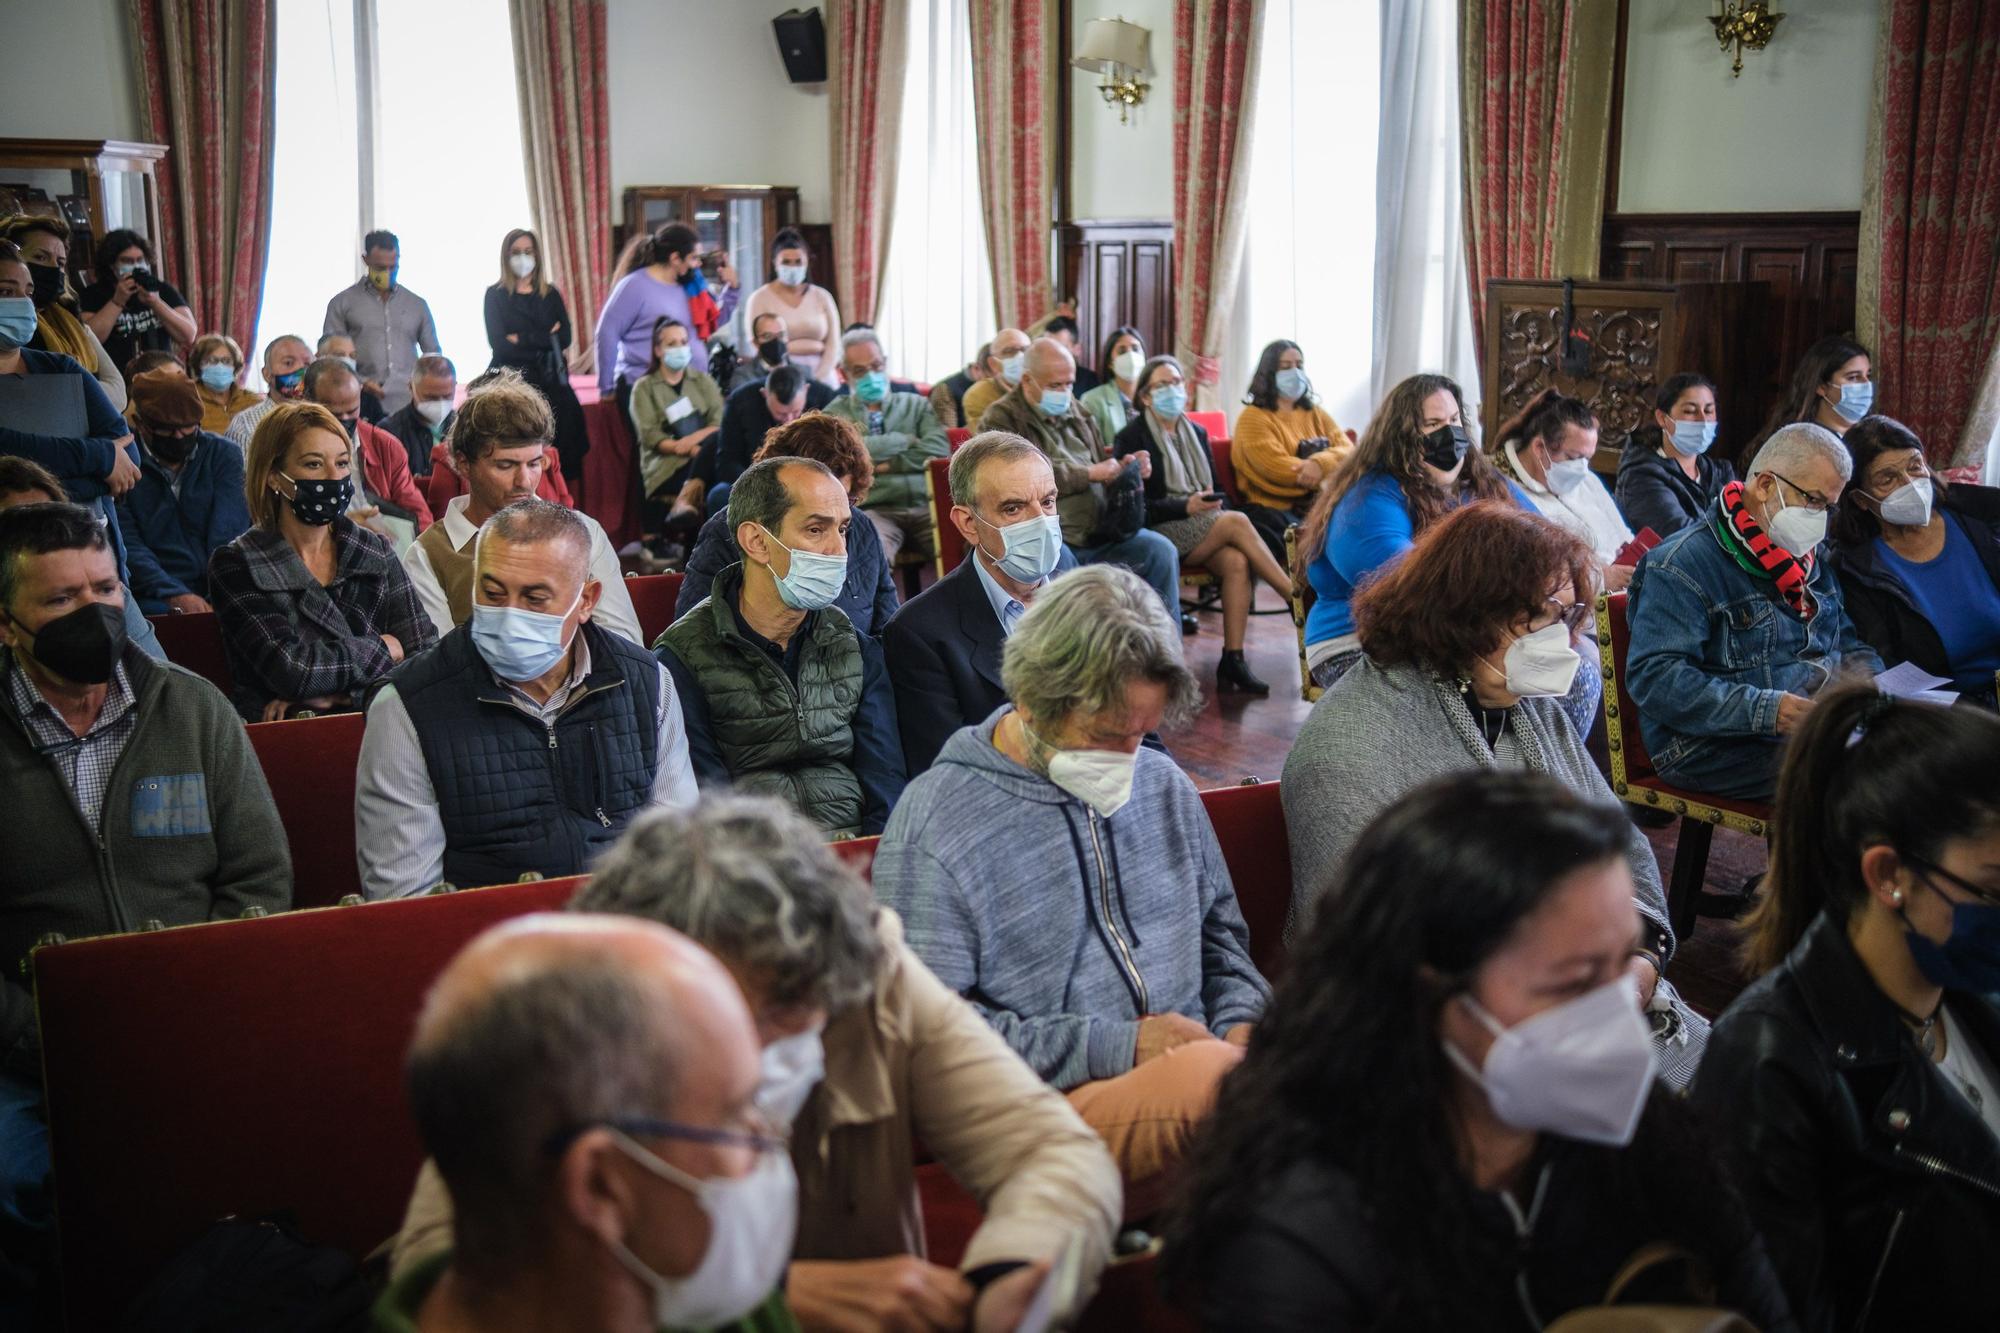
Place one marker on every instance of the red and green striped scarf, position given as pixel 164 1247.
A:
pixel 1744 538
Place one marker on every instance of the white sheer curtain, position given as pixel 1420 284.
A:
pixel 1308 273
pixel 449 175
pixel 936 305
pixel 1423 309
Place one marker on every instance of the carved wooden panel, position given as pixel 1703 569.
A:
pixel 1120 273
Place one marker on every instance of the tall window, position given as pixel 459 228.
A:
pixel 447 171
pixel 937 288
pixel 1354 240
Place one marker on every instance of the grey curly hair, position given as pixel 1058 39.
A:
pixel 1088 636
pixel 754 883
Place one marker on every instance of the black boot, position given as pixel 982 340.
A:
pixel 1232 673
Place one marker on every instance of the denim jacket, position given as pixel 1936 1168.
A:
pixel 1713 647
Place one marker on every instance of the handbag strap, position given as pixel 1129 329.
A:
pixel 1652 1255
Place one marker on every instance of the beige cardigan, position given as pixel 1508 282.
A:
pixel 915 1063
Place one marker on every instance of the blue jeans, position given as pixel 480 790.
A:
pixel 139 630
pixel 1150 556
pixel 718 499
pixel 1742 767
pixel 24 1156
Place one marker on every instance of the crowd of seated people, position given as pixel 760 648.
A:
pixel 1474 1090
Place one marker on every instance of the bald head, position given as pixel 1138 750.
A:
pixel 1051 370
pixel 546 1027
pixel 1006 344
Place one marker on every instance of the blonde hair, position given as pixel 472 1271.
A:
pixel 541 273
pixel 207 343
pixel 276 433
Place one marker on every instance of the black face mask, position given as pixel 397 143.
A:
pixel 48 284
pixel 1444 446
pixel 772 353
pixel 317 501
pixel 173 450
pixel 82 646
pixel 350 425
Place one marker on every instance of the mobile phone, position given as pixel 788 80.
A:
pixel 1217 496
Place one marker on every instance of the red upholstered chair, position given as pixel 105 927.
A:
pixel 194 641
pixel 955 436
pixel 310 763
pixel 610 489
pixel 241 1067
pixel 945 537
pixel 857 852
pixel 1250 825
pixel 1634 778
pixel 653 597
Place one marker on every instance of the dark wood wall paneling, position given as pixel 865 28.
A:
pixel 1804 264
pixel 1121 272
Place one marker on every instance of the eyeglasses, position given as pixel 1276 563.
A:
pixel 1984 897
pixel 759 1134
pixel 1572 616
pixel 1816 502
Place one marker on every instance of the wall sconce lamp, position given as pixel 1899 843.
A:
pixel 1748 24
pixel 1117 52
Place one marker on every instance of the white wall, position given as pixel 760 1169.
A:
pixel 1790 134
pixel 67 73
pixel 698 96
pixel 1124 171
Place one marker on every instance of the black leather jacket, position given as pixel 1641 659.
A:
pixel 1875 1184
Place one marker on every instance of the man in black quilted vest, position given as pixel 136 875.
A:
pixel 528 738
pixel 784 698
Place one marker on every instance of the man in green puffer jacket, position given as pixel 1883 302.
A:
pixel 781 696
pixel 903 435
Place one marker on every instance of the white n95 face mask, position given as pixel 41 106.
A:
pixel 1569 474
pixel 1797 528
pixel 1582 1069
pixel 791 1068
pixel 751 1223
pixel 1541 665
pixel 1101 779
pixel 1909 505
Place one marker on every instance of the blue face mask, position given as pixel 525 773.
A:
pixel 1969 958
pixel 1032 547
pixel 519 645
pixel 872 387
pixel 1011 367
pixel 677 358
pixel 1055 402
pixel 1293 384
pixel 693 283
pixel 218 376
pixel 1855 400
pixel 17 321
pixel 815 581
pixel 1693 437
pixel 1170 402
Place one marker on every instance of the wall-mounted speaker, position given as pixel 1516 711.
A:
pixel 802 42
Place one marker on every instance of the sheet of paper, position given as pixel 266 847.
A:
pixel 1058 1289
pixel 1907 680
pixel 680 408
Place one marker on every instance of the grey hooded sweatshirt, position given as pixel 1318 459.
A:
pixel 1064 928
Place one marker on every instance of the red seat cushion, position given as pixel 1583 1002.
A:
pixel 859 853
pixel 653 597
pixel 195 642
pixel 1250 825
pixel 241 1067
pixel 310 764
pixel 955 436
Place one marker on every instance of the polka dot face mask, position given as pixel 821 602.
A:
pixel 317 501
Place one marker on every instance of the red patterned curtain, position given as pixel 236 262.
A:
pixel 864 69
pixel 1215 59
pixel 1511 82
pixel 566 138
pixel 1011 74
pixel 206 69
pixel 1937 219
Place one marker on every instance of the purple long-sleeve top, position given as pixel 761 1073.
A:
pixel 625 328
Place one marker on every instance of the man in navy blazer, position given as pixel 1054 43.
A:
pixel 943 648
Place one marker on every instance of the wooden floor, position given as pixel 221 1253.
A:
pixel 1236 737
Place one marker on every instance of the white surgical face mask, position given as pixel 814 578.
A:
pixel 1909 505
pixel 1795 527
pixel 792 1067
pixel 1569 474
pixel 1101 779
pixel 815 580
pixel 434 410
pixel 1011 367
pixel 1127 364
pixel 792 275
pixel 521 265
pixel 751 1222
pixel 1582 1069
pixel 1542 664
pixel 1031 548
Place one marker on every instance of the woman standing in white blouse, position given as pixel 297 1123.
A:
pixel 812 320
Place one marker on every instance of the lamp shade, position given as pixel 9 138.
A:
pixel 1114 43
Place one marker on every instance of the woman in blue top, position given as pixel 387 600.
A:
pixel 1919 564
pixel 1415 464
